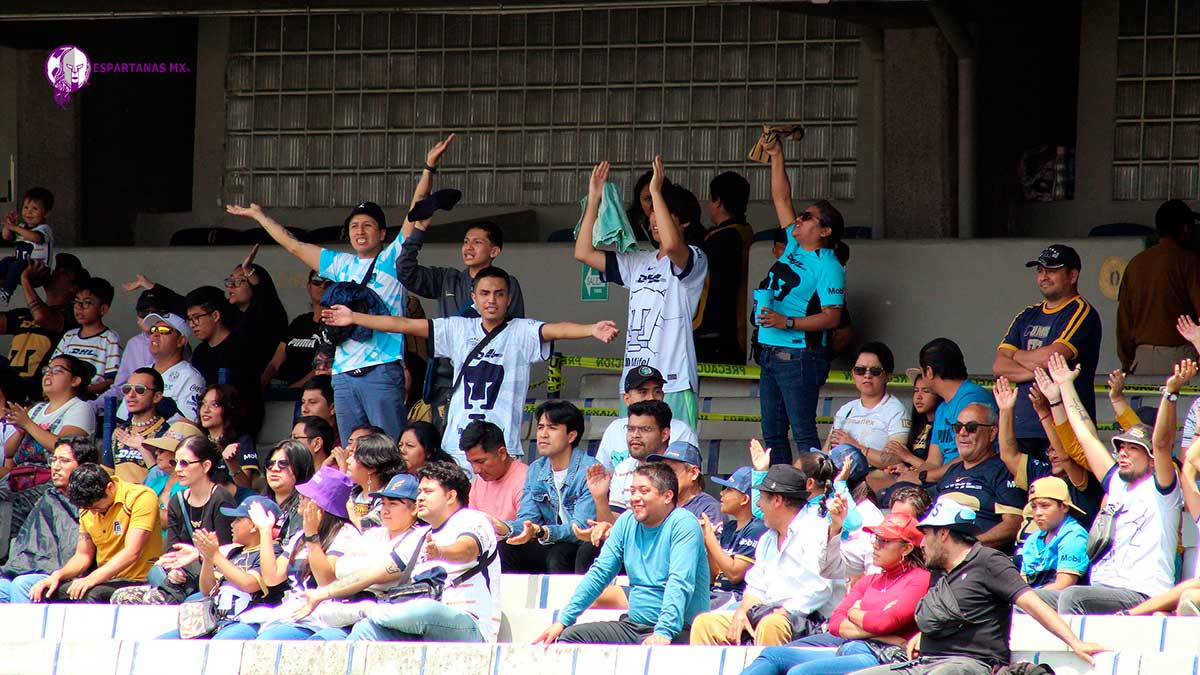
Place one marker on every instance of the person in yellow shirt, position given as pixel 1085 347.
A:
pixel 118 536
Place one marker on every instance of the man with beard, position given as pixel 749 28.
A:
pixel 143 392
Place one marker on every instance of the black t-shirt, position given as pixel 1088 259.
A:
pixel 237 358
pixel 300 344
pixel 985 585
pixel 32 346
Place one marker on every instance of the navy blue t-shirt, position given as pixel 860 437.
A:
pixel 1075 324
pixel 987 487
pixel 740 544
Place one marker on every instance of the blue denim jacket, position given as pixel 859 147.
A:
pixel 539 499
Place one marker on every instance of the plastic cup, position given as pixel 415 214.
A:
pixel 762 300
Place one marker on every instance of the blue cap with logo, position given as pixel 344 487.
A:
pixel 243 510
pixel 740 480
pixel 681 451
pixel 401 486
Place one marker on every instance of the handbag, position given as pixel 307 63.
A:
pixel 25 476
pixel 432 582
pixel 1100 537
pixel 198 618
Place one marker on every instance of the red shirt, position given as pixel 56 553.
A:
pixel 889 600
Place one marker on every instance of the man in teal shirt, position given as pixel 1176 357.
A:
pixel 662 550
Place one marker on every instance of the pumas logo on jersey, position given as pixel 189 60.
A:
pixel 650 279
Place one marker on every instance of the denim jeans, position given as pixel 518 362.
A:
pixel 859 467
pixel 17 590
pixel 1098 599
pixel 10 271
pixel 790 381
pixel 229 630
pixel 804 657
pixel 375 398
pixel 421 619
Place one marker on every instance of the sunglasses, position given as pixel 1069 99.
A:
pixel 185 463
pixel 875 371
pixel 279 464
pixel 139 388
pixel 805 216
pixel 320 281
pixel 970 427
pixel 161 330
pixel 234 282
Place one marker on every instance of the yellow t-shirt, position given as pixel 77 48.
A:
pixel 135 507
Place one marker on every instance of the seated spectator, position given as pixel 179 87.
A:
pixel 980 586
pixel 643 383
pixel 234 576
pixel 785 587
pixel 420 444
pixel 1191 332
pixel 118 539
pixel 554 500
pixel 221 411
pixel 914 450
pixel 981 480
pixel 873 622
pixel 1141 486
pixel 1184 598
pixel 50 534
pixel 162 477
pixel 731 553
pixel 136 353
pixel 316 398
pixel 371 466
pixel 684 459
pixel 318 436
pixel 910 499
pixel 462 546
pixel 261 319
pixel 63 413
pixel 37 330
pixel 143 392
pixel 182 383
pixel 648 432
pixel 295 367
pixel 864 430
pixel 33 235
pixel 499 477
pixel 662 550
pixel 93 342
pixel 943 367
pixel 1055 557
pixel 288 464
pixel 225 356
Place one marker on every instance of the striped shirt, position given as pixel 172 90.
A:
pixel 102 350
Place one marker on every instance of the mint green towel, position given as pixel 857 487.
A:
pixel 612 225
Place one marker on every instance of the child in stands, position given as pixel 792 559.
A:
pixel 35 239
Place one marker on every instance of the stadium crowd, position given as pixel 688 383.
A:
pixel 902 542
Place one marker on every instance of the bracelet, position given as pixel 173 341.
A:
pixel 1058 402
pixel 431 169
pixel 1043 419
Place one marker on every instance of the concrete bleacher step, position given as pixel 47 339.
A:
pixel 1175 634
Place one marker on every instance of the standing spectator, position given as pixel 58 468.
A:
pixel 182 383
pixel 118 539
pixel 35 239
pixel 136 353
pixel 643 383
pixel 365 373
pixel 1159 285
pixel 731 553
pixel 808 291
pixel 483 242
pixel 555 499
pixel 63 413
pixel 295 369
pixel 50 534
pixel 943 367
pixel 980 586
pixel 721 334
pixel 499 477
pixel 143 392
pixel 37 330
pixel 778 246
pixel 785 582
pixel 93 342
pixel 1055 557
pixel 223 356
pixel 684 459
pixel 287 465
pixel 1063 323
pixel 1190 332
pixel 641 207
pixel 664 287
pixel 662 550
pixel 866 430
pixel 1142 489
pixel 261 321
pixel 495 380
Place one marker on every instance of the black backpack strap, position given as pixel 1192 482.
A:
pixel 406 575
pixel 370 270
pixel 475 351
pixel 481 567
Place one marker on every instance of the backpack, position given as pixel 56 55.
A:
pixel 359 298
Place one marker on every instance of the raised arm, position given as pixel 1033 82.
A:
pixel 43 316
pixel 1098 456
pixel 585 251
pixel 670 236
pixel 308 254
pixel 781 187
pixel 1006 400
pixel 340 315
pixel 1163 439
pixel 425 184
pixel 604 331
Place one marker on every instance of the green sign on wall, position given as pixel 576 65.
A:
pixel 591 286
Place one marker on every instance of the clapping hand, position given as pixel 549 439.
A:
pixel 526 533
pixel 706 527
pixel 206 543
pixel 312 513
pixel 16 414
pixel 1005 393
pixel 760 458
pixel 596 533
pixel 599 481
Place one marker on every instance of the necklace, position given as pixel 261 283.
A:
pixel 148 423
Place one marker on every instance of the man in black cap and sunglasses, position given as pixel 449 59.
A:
pixel 300 345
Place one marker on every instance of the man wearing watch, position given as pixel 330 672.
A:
pixel 556 496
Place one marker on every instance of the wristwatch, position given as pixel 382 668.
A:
pixel 923 476
pixel 541 533
pixel 312 538
pixel 790 323
pixel 1168 395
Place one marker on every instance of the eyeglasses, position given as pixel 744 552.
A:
pixel 139 388
pixel 195 318
pixel 234 282
pixel 320 281
pixel 970 427
pixel 86 304
pixel 303 438
pixel 875 371
pixel 161 330
pixel 641 430
pixel 56 370
pixel 279 464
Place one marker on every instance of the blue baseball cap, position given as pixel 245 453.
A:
pixel 681 451
pixel 243 510
pixel 401 486
pixel 740 480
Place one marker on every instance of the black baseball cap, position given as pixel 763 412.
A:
pixel 1056 256
pixel 1175 212
pixel 639 375
pixel 370 209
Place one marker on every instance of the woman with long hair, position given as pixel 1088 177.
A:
pixel 287 465
pixel 221 416
pixel 641 207
pixel 420 444
pixel 375 459
pixel 874 622
pixel 263 321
